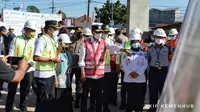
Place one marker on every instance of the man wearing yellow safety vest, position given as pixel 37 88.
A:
pixel 46 58
pixel 111 75
pixel 22 46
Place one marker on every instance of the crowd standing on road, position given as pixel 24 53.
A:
pixel 97 57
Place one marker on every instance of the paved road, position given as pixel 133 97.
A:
pixel 32 100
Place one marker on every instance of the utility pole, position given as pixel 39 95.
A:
pixel 5 2
pixel 53 7
pixel 112 9
pixel 88 12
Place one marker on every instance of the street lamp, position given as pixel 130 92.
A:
pixel 5 2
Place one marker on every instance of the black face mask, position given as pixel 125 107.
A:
pixel 135 49
pixel 79 35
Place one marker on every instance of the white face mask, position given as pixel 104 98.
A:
pixel 111 37
pixel 105 35
pixel 55 33
pixel 159 41
pixel 97 36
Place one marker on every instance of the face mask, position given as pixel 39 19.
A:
pixel 159 41
pixel 111 37
pixel 97 36
pixel 171 38
pixel 152 38
pixel 55 33
pixel 136 45
pixel 105 35
pixel 32 35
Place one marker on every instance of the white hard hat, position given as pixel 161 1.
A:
pixel 136 34
pixel 173 32
pixel 65 38
pixel 159 32
pixel 72 31
pixel 112 31
pixel 87 31
pixel 30 24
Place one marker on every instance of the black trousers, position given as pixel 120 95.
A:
pixel 156 82
pixel 110 89
pixel 25 85
pixel 123 89
pixel 135 96
pixel 97 86
pixel 45 92
pixel 63 100
pixel 92 98
pixel 77 72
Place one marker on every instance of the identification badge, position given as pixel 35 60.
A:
pixel 157 64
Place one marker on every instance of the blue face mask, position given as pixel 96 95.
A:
pixel 152 38
pixel 136 45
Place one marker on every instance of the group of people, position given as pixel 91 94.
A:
pixel 97 57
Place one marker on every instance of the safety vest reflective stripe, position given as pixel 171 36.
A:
pixel 24 48
pixel 107 57
pixel 49 52
pixel 94 60
pixel 127 45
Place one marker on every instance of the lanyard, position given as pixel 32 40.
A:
pixel 158 53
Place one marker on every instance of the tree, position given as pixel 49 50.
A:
pixel 32 8
pixel 104 14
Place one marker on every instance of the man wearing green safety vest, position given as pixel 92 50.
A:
pixel 46 58
pixel 22 46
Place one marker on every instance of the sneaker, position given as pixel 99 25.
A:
pixel 122 107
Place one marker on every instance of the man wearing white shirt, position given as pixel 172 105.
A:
pixel 91 61
pixel 134 67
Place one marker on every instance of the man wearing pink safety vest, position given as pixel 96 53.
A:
pixel 92 61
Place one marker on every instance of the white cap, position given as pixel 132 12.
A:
pixel 136 34
pixel 87 31
pixel 30 24
pixel 112 31
pixel 173 32
pixel 65 38
pixel 159 32
pixel 72 31
pixel 11 27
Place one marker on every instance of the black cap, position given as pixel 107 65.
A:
pixel 105 28
pixel 52 23
pixel 97 28
pixel 2 28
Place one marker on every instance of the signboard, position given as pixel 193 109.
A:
pixel 17 19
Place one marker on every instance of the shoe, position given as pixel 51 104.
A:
pixel 122 107
pixel 106 110
pixel 76 104
pixel 91 109
pixel 114 104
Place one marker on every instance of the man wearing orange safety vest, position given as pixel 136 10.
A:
pixel 22 46
pixel 92 63
pixel 172 39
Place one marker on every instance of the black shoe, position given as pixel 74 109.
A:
pixel 91 109
pixel 0 94
pixel 122 107
pixel 106 110
pixel 76 104
pixel 114 104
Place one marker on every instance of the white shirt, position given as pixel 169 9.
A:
pixel 135 63
pixel 39 48
pixel 95 44
pixel 11 53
